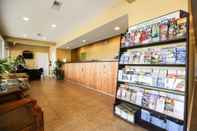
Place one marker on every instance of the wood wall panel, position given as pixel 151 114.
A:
pixel 100 76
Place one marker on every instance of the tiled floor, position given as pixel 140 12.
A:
pixel 69 107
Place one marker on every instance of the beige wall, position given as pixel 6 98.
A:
pixel 63 54
pixel 18 49
pixel 138 11
pixel 102 50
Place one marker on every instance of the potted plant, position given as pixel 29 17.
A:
pixel 6 65
pixel 10 65
pixel 58 71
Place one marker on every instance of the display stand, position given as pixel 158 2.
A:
pixel 152 84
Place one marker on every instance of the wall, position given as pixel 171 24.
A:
pixel 63 54
pixel 52 55
pixel 102 50
pixel 192 121
pixel 138 11
pixel 19 48
pixel 74 55
pixel 2 47
pixel 29 41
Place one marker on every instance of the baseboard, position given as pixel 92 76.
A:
pixel 86 86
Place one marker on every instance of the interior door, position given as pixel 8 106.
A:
pixel 42 61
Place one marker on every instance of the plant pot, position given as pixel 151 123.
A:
pixel 59 74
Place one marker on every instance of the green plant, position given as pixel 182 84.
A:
pixel 9 64
pixel 58 71
pixel 59 64
pixel 6 65
pixel 19 61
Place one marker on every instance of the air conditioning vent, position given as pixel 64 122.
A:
pixel 130 1
pixel 39 34
pixel 56 5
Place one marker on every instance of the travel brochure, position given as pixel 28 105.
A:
pixel 157 77
pixel 126 111
pixel 3 87
pixel 169 104
pixel 166 29
pixel 171 54
pixel 159 122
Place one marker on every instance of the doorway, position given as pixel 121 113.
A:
pixel 42 61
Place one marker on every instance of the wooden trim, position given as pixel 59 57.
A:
pixel 88 87
pixel 15 104
pixel 37 112
pixel 194 16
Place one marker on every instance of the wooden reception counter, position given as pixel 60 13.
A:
pixel 97 75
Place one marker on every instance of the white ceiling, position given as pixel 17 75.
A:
pixel 100 33
pixel 73 14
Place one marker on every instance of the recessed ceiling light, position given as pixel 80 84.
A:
pixel 25 18
pixel 117 28
pixel 83 41
pixel 24 35
pixel 53 25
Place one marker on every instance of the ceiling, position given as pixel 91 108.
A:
pixel 72 15
pixel 100 33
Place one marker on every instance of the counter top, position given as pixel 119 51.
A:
pixel 92 61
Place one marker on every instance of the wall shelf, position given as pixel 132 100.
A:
pixel 166 42
pixel 147 87
pixel 160 114
pixel 159 65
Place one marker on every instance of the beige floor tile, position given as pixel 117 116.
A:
pixel 69 107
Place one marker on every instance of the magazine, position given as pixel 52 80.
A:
pixel 169 105
pixel 182 27
pixel 164 30
pixel 160 104
pixel 146 99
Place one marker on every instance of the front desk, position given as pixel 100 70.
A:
pixel 99 75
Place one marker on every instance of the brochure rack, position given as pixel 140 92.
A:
pixel 153 73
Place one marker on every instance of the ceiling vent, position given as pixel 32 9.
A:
pixel 56 5
pixel 130 1
pixel 39 34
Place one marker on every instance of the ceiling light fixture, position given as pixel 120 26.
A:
pixel 117 28
pixel 83 41
pixel 25 18
pixel 53 25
